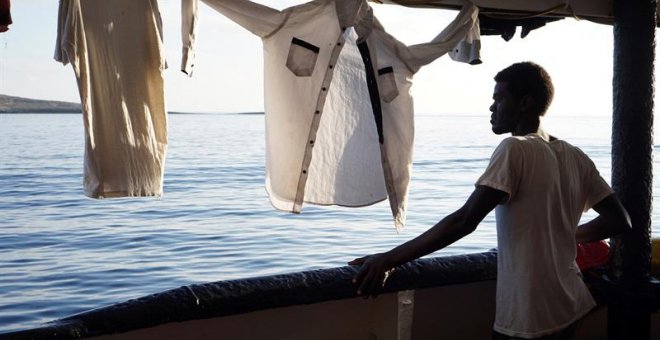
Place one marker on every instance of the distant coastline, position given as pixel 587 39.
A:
pixel 11 104
pixel 213 113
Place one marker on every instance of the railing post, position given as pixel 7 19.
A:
pixel 632 164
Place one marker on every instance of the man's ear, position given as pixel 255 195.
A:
pixel 526 103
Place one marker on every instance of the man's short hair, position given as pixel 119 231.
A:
pixel 528 78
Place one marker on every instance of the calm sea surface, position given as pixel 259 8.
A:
pixel 62 253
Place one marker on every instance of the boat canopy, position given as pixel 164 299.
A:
pixel 600 11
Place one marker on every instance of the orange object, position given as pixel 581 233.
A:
pixel 655 257
pixel 592 254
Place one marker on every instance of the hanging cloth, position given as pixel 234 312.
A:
pixel 339 114
pixel 5 16
pixel 189 27
pixel 115 49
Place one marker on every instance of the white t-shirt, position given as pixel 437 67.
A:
pixel 549 185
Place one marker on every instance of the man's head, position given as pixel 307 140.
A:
pixel 522 94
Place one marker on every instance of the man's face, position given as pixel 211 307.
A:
pixel 505 110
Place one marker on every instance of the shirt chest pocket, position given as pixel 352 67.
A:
pixel 302 57
pixel 387 84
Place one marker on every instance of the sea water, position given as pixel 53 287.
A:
pixel 62 253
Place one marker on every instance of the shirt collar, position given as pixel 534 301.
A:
pixel 356 13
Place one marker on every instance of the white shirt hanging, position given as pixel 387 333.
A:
pixel 339 114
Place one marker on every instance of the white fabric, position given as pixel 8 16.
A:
pixel 550 184
pixel 115 49
pixel 311 65
pixel 189 28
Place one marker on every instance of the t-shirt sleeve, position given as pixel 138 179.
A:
pixel 595 186
pixel 504 170
pixel 461 38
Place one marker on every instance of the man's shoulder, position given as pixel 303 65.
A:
pixel 518 142
pixel 506 144
pixel 534 144
pixel 511 146
pixel 565 145
pixel 511 140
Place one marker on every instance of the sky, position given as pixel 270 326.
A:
pixel 228 75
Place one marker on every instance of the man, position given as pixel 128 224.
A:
pixel 539 186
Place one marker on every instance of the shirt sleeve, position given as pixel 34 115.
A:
pixel 596 188
pixel 189 29
pixel 504 170
pixel 67 21
pixel 258 19
pixel 460 38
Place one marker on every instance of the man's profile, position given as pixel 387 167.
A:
pixel 539 187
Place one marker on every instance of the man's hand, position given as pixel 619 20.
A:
pixel 613 219
pixel 374 271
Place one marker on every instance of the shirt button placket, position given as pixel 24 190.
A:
pixel 325 85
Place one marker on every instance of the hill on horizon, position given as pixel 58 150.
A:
pixel 11 104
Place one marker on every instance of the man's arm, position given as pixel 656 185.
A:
pixel 612 220
pixel 455 226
